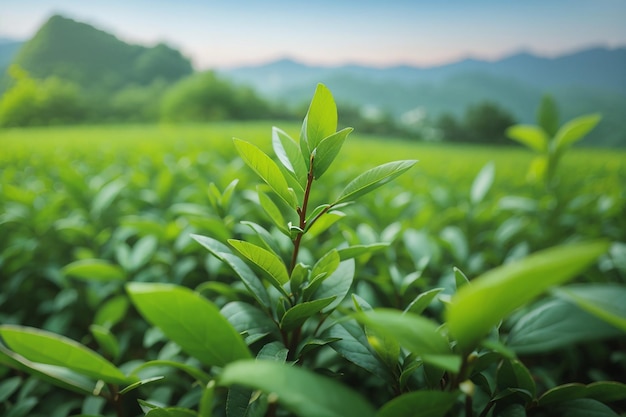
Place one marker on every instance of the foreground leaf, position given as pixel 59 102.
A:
pixel 189 320
pixel 321 118
pixel 298 390
pixel 327 151
pixel 574 130
pixel 269 263
pixel 476 308
pixel 249 278
pixel 374 178
pixel 266 169
pixel 52 349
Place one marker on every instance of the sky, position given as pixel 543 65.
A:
pixel 222 33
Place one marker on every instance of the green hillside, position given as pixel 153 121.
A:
pixel 95 59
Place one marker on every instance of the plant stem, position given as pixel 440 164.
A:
pixel 302 214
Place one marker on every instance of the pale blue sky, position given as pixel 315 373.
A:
pixel 221 33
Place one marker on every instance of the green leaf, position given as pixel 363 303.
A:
pixel 143 251
pixel 189 320
pixel 322 224
pixel 604 391
pixel 548 115
pixel 605 301
pixel 374 178
pixel 513 374
pixel 249 278
pixel 326 264
pixel 298 314
pixel 358 250
pixel 266 169
pixel 140 383
pixel 584 407
pixel 191 370
pixel 459 278
pixel 574 130
pixel 106 340
pixel 205 408
pixel 532 136
pixel 352 344
pixel 423 300
pixel 337 284
pixel 417 334
pixel 94 270
pixel 477 308
pixel 112 311
pixel 327 151
pixel 298 390
pixel 321 118
pixel 8 387
pixel 556 324
pixel 289 154
pixel 52 349
pixel 419 404
pixel 106 196
pixel 246 318
pixel 269 263
pixel 272 210
pixel 56 375
pixel 482 183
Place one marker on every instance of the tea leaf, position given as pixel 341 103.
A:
pixel 548 115
pixel 106 340
pixel 583 407
pixel 112 311
pixel 358 250
pixel 298 390
pixel 605 301
pixel 532 136
pixel 326 264
pixel 605 391
pixel 56 375
pixel 575 130
pixel 224 254
pixel 289 154
pixel 476 308
pixel 143 250
pixel 337 284
pixel 189 320
pixel 272 210
pixel 298 314
pixel 327 151
pixel 556 324
pixel 423 300
pixel 352 344
pixel 192 371
pixel 417 334
pixel 273 266
pixel 266 169
pixel 482 183
pixel 94 270
pixel 374 178
pixel 419 404
pixel 321 118
pixel 52 349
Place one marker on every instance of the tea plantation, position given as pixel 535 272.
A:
pixel 103 231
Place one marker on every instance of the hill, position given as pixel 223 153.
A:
pixel 586 81
pixel 95 59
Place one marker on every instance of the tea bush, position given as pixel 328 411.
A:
pixel 201 281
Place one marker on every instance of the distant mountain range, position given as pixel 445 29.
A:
pixel 591 80
pixel 586 81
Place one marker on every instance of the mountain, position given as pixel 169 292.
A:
pixel 8 50
pixel 95 59
pixel 591 80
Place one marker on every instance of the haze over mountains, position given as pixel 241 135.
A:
pixel 591 80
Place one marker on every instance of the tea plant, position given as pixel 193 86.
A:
pixel 292 331
pixel 550 140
